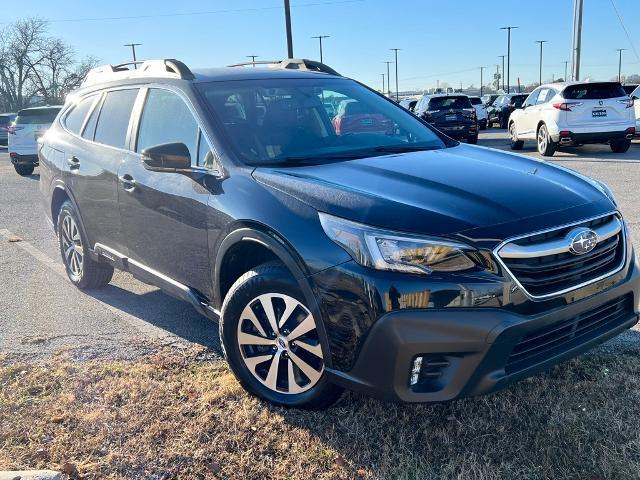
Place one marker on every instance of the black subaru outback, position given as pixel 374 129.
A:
pixel 396 262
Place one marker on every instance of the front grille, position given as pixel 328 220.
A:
pixel 545 275
pixel 551 340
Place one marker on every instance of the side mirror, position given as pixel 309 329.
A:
pixel 635 97
pixel 167 157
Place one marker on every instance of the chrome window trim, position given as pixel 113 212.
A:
pixel 574 287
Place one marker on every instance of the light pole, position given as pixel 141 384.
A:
pixel 397 91
pixel 253 59
pixel 620 50
pixel 481 79
pixel 502 57
pixel 320 37
pixel 287 20
pixel 566 62
pixel 382 83
pixel 577 38
pixel 133 51
pixel 508 29
pixel 541 42
pixel 388 79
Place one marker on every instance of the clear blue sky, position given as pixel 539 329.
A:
pixel 445 39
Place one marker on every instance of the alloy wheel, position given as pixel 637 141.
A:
pixel 542 139
pixel 279 343
pixel 512 132
pixel 72 248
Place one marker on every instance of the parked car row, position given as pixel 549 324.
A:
pixel 338 240
pixel 573 114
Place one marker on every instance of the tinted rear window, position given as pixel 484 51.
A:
pixel 442 103
pixel 5 119
pixel 593 91
pixel 629 88
pixel 476 101
pixel 37 116
pixel 113 121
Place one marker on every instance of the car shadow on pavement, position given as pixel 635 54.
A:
pixel 165 312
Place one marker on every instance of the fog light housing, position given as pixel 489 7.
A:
pixel 416 366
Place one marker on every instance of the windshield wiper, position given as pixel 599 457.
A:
pixel 316 159
pixel 405 148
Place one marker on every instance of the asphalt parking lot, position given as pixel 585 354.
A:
pixel 41 313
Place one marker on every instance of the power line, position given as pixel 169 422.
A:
pixel 206 12
pixel 633 47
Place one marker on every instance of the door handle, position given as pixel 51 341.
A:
pixel 73 162
pixel 128 182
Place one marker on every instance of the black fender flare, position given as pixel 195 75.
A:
pixel 289 257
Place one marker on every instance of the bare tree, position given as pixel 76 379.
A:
pixel 20 46
pixel 35 68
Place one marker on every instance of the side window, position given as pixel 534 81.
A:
pixel 75 118
pixel 543 97
pixel 90 127
pixel 113 121
pixel 533 98
pixel 167 119
pixel 205 155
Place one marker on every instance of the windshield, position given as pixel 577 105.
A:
pixel 445 103
pixel 295 121
pixel 37 116
pixel 475 100
pixel 518 100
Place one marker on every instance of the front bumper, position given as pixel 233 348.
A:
pixel 470 351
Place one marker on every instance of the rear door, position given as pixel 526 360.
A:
pixel 92 163
pixel 593 104
pixel 164 214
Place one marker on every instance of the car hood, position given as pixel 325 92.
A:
pixel 445 192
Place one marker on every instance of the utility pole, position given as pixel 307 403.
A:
pixel 388 80
pixel 502 76
pixel 541 42
pixel 577 38
pixel 397 91
pixel 320 37
pixel 620 50
pixel 497 77
pixel 566 62
pixel 508 29
pixel 253 59
pixel 133 51
pixel 382 83
pixel 287 20
pixel 481 79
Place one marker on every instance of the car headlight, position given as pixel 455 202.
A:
pixel 385 250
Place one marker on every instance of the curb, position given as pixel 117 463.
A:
pixel 31 475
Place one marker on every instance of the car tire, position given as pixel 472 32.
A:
pixel 620 146
pixel 24 170
pixel 285 373
pixel 84 272
pixel 472 139
pixel 503 121
pixel 513 136
pixel 546 146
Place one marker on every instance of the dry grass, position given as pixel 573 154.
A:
pixel 171 416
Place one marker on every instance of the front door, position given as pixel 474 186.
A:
pixel 165 215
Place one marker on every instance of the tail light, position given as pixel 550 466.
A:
pixel 426 116
pixel 12 129
pixel 631 130
pixel 627 102
pixel 566 106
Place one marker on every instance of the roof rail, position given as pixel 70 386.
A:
pixel 292 64
pixel 150 68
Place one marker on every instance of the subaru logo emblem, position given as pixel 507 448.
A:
pixel 582 240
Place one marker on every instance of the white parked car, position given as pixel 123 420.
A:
pixel 635 96
pixel 574 113
pixel 23 134
pixel 481 111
